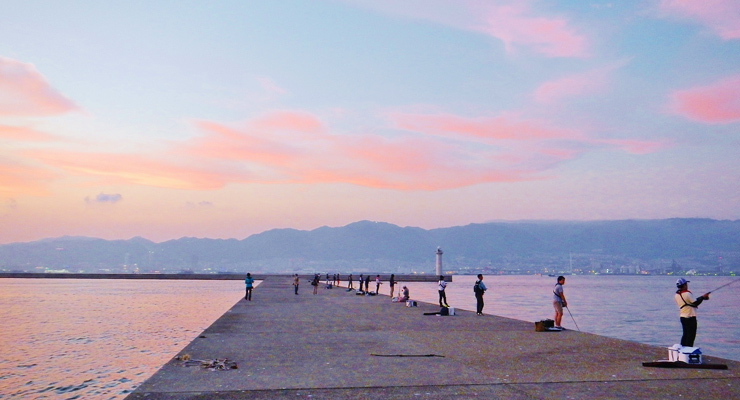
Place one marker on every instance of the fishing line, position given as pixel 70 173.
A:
pixel 571 317
pixel 726 284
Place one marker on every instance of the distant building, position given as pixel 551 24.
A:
pixel 438 270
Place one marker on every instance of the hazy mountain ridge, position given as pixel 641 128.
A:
pixel 385 246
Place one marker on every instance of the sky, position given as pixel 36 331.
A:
pixel 223 119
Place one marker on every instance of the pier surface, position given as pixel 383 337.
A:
pixel 338 345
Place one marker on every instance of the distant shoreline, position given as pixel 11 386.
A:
pixel 208 277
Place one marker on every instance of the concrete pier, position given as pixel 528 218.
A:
pixel 337 345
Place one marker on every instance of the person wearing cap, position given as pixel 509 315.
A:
pixel 479 289
pixel 687 311
pixel 558 301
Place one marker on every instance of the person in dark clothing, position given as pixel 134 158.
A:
pixel 315 283
pixel 479 289
pixel 367 282
pixel 392 283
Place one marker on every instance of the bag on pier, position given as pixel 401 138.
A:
pixel 541 326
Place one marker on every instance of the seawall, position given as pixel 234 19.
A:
pixel 338 345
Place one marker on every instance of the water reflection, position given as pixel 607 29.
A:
pixel 99 338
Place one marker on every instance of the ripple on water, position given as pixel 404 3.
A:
pixel 97 339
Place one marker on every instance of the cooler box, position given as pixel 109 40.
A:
pixel 673 352
pixel 690 355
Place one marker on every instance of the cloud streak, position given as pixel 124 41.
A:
pixel 717 103
pixel 22 180
pixel 22 134
pixel 415 152
pixel 515 23
pixel 582 84
pixel 24 92
pixel 721 16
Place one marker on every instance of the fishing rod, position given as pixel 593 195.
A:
pixel 571 317
pixel 726 284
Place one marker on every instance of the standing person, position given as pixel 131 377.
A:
pixel 441 288
pixel 361 281
pixel 558 301
pixel 350 282
pixel 367 282
pixel 327 279
pixel 392 282
pixel 296 281
pixel 479 289
pixel 249 281
pixel 687 311
pixel 377 284
pixel 315 283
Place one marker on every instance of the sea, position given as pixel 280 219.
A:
pixel 100 339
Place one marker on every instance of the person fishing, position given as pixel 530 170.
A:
pixel 687 311
pixel 441 285
pixel 558 301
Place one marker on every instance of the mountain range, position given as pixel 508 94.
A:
pixel 384 247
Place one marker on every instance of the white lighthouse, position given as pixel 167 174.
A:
pixel 439 261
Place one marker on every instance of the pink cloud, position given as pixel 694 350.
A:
pixel 25 92
pixel 491 128
pixel 21 134
pixel 515 23
pixel 295 147
pixel 721 16
pixel 23 180
pixel 437 152
pixel 716 103
pixel 111 168
pixel 270 87
pixel 636 146
pixel 587 83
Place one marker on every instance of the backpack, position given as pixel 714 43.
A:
pixel 476 288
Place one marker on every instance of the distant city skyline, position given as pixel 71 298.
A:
pixel 226 119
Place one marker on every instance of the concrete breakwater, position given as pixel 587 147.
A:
pixel 336 344
pixel 225 277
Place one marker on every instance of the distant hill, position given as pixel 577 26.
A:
pixel 382 247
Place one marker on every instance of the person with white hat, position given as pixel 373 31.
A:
pixel 687 311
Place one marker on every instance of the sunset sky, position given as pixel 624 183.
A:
pixel 222 119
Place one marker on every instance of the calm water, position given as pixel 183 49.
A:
pixel 100 339
pixel 635 308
